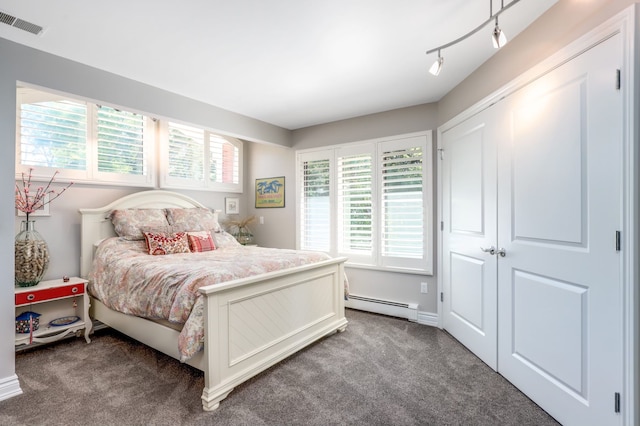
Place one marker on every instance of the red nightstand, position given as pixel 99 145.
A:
pixel 55 300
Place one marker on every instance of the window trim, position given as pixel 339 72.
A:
pixel 153 150
pixel 332 152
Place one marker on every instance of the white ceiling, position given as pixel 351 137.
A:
pixel 292 63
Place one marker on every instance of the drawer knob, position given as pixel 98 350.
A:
pixel 74 290
pixel 31 296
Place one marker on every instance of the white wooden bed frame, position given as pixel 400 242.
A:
pixel 290 308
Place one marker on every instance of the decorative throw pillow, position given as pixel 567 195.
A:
pixel 201 241
pixel 225 239
pixel 159 243
pixel 194 219
pixel 128 223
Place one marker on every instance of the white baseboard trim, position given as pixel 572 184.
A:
pixel 394 309
pixel 428 318
pixel 9 387
pixel 385 307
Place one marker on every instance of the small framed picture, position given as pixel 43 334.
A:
pixel 42 211
pixel 232 205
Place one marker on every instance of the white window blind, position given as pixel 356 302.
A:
pixel 53 134
pixel 379 196
pixel 121 141
pixel 82 140
pixel 314 177
pixel 195 158
pixel 402 202
pixel 355 204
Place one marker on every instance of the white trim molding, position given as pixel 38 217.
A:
pixel 9 387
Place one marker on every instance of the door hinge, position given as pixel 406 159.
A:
pixel 618 80
pixel 441 296
pixel 618 238
pixel 616 403
pixel 441 152
pixel 441 225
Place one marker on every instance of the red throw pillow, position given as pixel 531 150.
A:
pixel 201 241
pixel 160 243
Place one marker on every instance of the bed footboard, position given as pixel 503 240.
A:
pixel 253 323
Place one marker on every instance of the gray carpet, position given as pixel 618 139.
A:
pixel 381 371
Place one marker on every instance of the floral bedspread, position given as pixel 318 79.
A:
pixel 127 279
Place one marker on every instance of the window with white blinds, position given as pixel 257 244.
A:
pixel 195 158
pixel 314 178
pixel 379 196
pixel 403 184
pixel 82 140
pixel 355 203
pixel 95 143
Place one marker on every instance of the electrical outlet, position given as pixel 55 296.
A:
pixel 261 220
pixel 424 288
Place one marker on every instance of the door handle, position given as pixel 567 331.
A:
pixel 491 250
pixel 502 252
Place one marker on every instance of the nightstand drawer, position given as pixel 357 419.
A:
pixel 34 296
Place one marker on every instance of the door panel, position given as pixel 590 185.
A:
pixel 559 192
pixel 469 212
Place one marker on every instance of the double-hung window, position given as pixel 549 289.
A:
pixel 195 158
pixel 370 202
pixel 83 140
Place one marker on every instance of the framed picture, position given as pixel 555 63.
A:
pixel 42 211
pixel 270 192
pixel 232 206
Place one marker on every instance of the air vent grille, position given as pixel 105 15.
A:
pixel 21 24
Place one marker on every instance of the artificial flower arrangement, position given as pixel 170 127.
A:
pixel 28 202
pixel 31 250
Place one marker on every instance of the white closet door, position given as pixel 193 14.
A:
pixel 559 191
pixel 469 307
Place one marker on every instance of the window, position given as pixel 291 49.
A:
pixel 194 158
pixel 90 142
pixel 83 140
pixel 378 195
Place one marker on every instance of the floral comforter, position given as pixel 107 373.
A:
pixel 129 280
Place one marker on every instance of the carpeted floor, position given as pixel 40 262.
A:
pixel 381 371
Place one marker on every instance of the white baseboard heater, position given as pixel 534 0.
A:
pixel 385 307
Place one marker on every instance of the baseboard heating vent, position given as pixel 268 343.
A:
pixel 385 307
pixel 20 24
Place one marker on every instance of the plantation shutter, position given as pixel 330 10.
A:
pixel 355 203
pixel 121 143
pixel 185 155
pixel 52 133
pixel 314 176
pixel 402 183
pixel 224 163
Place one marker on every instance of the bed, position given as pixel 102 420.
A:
pixel 248 323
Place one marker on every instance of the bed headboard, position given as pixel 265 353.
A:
pixel 96 226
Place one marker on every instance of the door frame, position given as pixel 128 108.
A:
pixel 625 23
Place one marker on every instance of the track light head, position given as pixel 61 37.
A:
pixel 498 37
pixel 437 65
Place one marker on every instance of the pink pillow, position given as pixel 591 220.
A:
pixel 193 219
pixel 159 243
pixel 201 241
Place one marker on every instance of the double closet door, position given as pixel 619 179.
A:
pixel 531 207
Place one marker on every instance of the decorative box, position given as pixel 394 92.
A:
pixel 22 321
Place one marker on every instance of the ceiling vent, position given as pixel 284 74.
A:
pixel 5 18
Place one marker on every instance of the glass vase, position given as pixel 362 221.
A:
pixel 244 236
pixel 31 255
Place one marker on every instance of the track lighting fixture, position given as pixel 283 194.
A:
pixel 437 65
pixel 498 37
